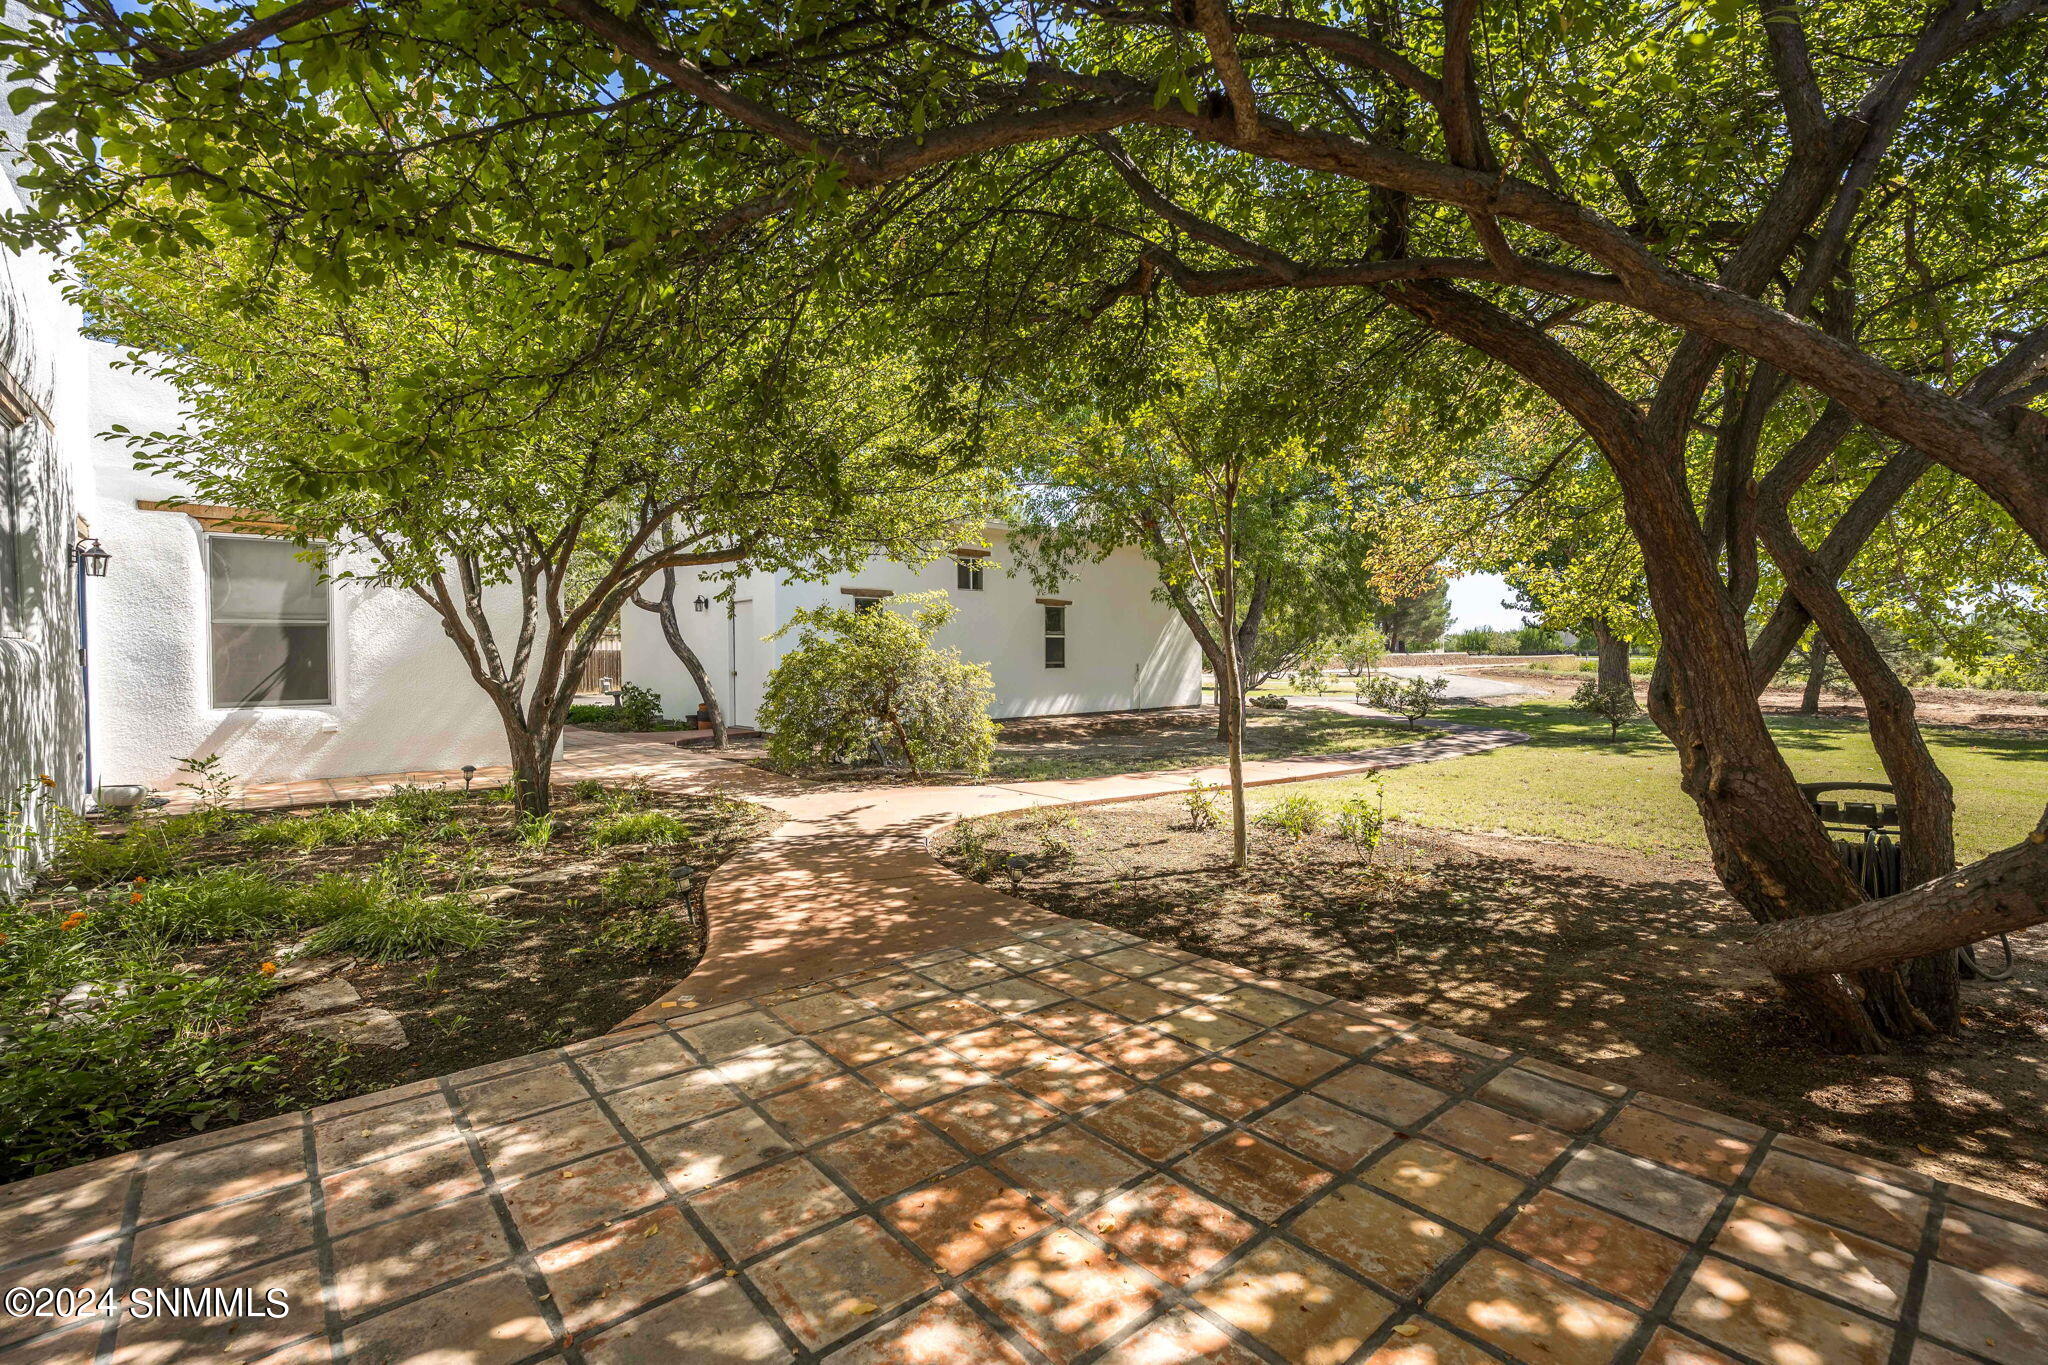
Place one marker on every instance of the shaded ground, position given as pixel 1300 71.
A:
pixel 1627 964
pixel 1046 747
pixel 545 980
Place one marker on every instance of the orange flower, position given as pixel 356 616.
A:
pixel 135 898
pixel 138 881
pixel 72 921
pixel 46 779
pixel 268 969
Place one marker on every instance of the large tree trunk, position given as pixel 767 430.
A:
pixel 1612 655
pixel 1233 708
pixel 1926 801
pixel 533 766
pixel 664 609
pixel 1816 674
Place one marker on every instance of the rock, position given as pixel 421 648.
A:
pixel 88 998
pixel 494 895
pixel 358 1028
pixel 551 876
pixel 306 971
pixel 286 952
pixel 320 997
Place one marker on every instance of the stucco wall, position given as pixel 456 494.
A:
pixel 1124 650
pixel 402 699
pixel 42 712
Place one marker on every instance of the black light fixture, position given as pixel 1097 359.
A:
pixel 702 603
pixel 468 775
pixel 93 555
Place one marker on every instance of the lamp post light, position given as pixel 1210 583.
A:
pixel 92 555
pixel 468 775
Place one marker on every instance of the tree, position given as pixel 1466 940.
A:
pixel 1885 133
pixel 1615 705
pixel 545 504
pixel 1360 651
pixel 1414 624
pixel 858 683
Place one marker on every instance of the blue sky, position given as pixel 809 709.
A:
pixel 1476 601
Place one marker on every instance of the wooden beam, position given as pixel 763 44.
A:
pixel 1054 602
pixel 869 592
pixel 223 520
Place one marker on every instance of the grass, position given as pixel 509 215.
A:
pixel 1571 782
pixel 1268 734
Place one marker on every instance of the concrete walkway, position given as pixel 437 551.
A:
pixel 902 1118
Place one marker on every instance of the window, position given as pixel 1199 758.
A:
pixel 1055 637
pixel 970 574
pixel 861 604
pixel 270 624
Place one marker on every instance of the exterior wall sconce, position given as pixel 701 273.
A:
pixel 702 603
pixel 92 555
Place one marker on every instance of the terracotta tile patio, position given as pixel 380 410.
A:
pixel 1010 1136
pixel 866 1168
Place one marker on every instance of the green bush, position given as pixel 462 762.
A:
pixel 587 789
pixel 420 805
pixel 588 714
pixel 396 924
pixel 1296 816
pixel 143 848
pixel 1614 703
pixel 1267 701
pixel 638 709
pixel 336 896
pixel 156 1048
pixel 1478 640
pixel 1411 697
pixel 336 825
pixel 1536 640
pixel 637 886
pixel 1201 805
pixel 209 907
pixel 637 827
pixel 1362 821
pixel 864 683
pixel 535 831
pixel 641 934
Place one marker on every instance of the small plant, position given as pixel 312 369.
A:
pixel 341 825
pixel 587 789
pixel 970 846
pixel 208 779
pixel 643 934
pixel 1614 703
pixel 534 831
pixel 209 907
pixel 1268 701
pixel 637 827
pixel 636 886
pixel 420 805
pixel 143 849
pixel 1053 851
pixel 394 924
pixel 1362 820
pixel 1296 816
pixel 1200 803
pixel 638 708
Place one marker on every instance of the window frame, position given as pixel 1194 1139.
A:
pixel 1051 635
pixel 327 623
pixel 969 575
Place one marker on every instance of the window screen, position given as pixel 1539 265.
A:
pixel 970 574
pixel 1055 637
pixel 270 624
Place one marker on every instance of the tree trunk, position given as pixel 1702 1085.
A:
pixel 664 609
pixel 1230 697
pixel 1613 657
pixel 1816 674
pixel 533 765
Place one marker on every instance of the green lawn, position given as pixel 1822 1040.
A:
pixel 1571 782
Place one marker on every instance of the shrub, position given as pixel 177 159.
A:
pixel 1200 802
pixel 861 683
pixel 391 924
pixel 1361 649
pixel 1296 816
pixel 1614 703
pixel 535 831
pixel 1536 640
pixel 1478 640
pixel 1411 697
pixel 970 847
pixel 156 1048
pixel 208 907
pixel 587 789
pixel 1309 680
pixel 1362 821
pixel 208 779
pixel 643 934
pixel 639 709
pixel 420 805
pixel 144 848
pixel 592 712
pixel 637 886
pixel 1267 701
pixel 637 827
pixel 341 825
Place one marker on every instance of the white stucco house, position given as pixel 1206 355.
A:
pixel 1099 642
pixel 211 639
